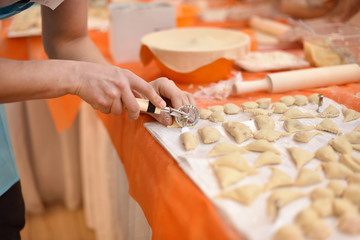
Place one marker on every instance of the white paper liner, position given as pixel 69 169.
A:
pixel 252 221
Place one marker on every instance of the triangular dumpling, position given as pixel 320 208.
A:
pixel 304 136
pixel 341 145
pixel 330 112
pixel 278 179
pixel 294 125
pixel 225 148
pixel 328 125
pixel 261 145
pixel 335 170
pixel 237 161
pixel 307 177
pixel 300 156
pixel 281 197
pixel 349 161
pixel 353 137
pixel 294 113
pixel 244 194
pixel 350 114
pixel 326 154
pixel 267 158
pixel 227 175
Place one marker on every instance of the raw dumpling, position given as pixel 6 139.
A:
pixel 328 125
pixel 216 108
pixel 352 193
pixel 231 108
pixel 300 156
pixel 278 178
pixel 279 107
pixel 349 224
pixel 295 113
pixel 209 134
pixel 205 113
pixel 304 136
pixel 323 207
pixel 356 147
pixel 259 111
pixel 350 114
pixel 349 161
pixel 245 194
pixel 337 186
pixel 341 145
pixel 353 178
pixel 237 161
pixel 300 100
pixel 335 170
pixel 287 232
pixel 357 128
pixel 318 229
pixel 238 130
pixel 249 105
pixel 264 103
pixel 342 206
pixel 281 197
pixel 307 177
pixel 306 216
pixel 269 135
pixel 294 125
pixel 329 112
pixel 189 140
pixel 287 100
pixel 326 154
pixel 217 116
pixel 261 146
pixel 321 192
pixel 228 175
pixel 225 148
pixel 267 158
pixel 353 137
pixel 264 122
pixel 314 98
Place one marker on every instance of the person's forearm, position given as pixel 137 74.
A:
pixel 24 80
pixel 80 49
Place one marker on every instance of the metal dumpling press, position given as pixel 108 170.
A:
pixel 185 116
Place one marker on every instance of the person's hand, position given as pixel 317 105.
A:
pixel 110 89
pixel 175 97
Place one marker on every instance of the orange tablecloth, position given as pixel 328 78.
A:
pixel 173 205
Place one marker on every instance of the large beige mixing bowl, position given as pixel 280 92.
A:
pixel 195 54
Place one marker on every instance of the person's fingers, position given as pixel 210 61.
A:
pixel 141 86
pixel 116 107
pixel 130 104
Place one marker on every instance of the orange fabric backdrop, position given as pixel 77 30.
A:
pixel 173 205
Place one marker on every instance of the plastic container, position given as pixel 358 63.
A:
pixel 331 44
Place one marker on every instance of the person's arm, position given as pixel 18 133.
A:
pixel 66 37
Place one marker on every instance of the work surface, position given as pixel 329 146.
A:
pixel 173 204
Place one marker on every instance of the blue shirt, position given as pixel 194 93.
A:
pixel 8 171
pixel 15 8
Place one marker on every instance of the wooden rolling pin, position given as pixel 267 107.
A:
pixel 301 79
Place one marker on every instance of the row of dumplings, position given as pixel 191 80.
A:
pixel 231 167
pixel 265 125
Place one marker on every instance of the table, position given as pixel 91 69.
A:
pixel 174 207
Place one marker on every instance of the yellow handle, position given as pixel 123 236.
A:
pixel 147 106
